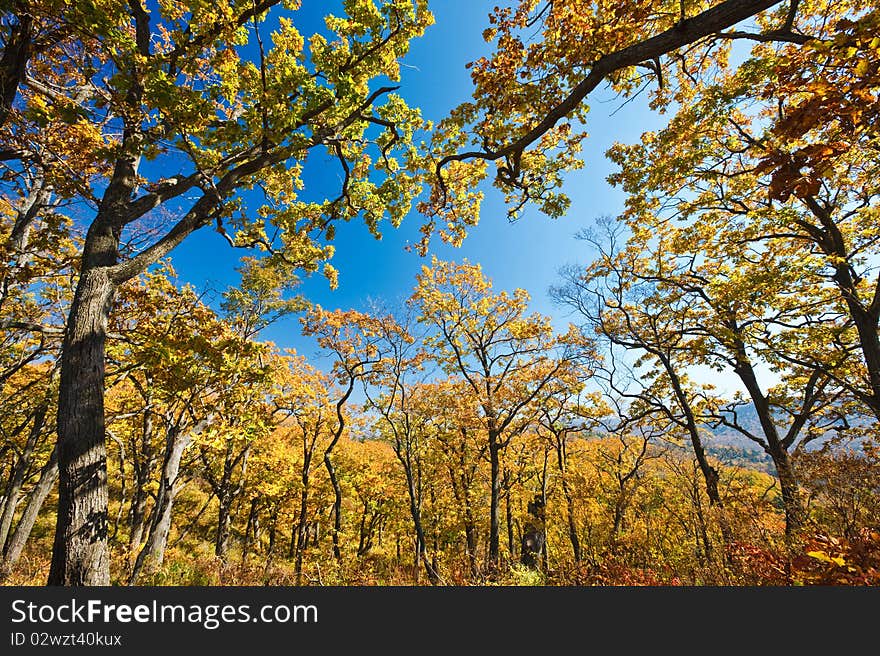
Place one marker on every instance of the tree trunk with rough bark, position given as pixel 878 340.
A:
pixel 495 498
pixel 80 555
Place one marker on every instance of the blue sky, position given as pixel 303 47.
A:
pixel 527 253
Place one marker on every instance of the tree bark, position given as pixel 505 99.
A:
pixel 865 316
pixel 224 518
pixel 80 555
pixel 792 503
pixel 508 517
pixel 494 505
pixel 710 474
pixel 143 467
pixel 561 462
pixel 572 523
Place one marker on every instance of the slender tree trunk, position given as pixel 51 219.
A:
pixel 865 315
pixel 142 471
pixel 702 529
pixel 152 555
pixel 571 520
pixel 618 519
pixel 710 474
pixel 273 528
pixel 337 506
pixel 776 449
pixel 15 544
pixel 508 517
pixel 224 519
pixel 361 550
pixel 331 470
pixel 18 473
pixel 137 515
pixel 251 529
pixel 494 505
pixel 79 554
pixel 415 512
pixel 470 538
pixel 461 491
pixel 26 216
pixel 534 533
pixel 298 543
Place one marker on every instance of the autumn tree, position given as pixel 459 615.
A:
pixel 356 342
pixel 455 430
pixel 391 393
pixel 308 398
pixel 562 418
pixel 506 356
pixel 36 257
pixel 764 172
pixel 614 307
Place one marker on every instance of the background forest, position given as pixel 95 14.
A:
pixel 701 408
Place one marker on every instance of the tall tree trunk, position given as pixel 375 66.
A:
pixel 152 555
pixel 331 470
pixel 142 471
pixel 273 528
pixel 79 554
pixel 15 544
pixel 298 543
pixel 775 447
pixel 710 474
pixel 337 506
pixel 571 520
pixel 702 528
pixel 462 492
pixel 361 532
pixel 619 510
pixel 508 518
pixel 864 314
pixel 251 529
pixel 470 538
pixel 495 499
pixel 415 511
pixel 137 514
pixel 18 473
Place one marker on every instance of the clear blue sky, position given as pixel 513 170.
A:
pixel 524 254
